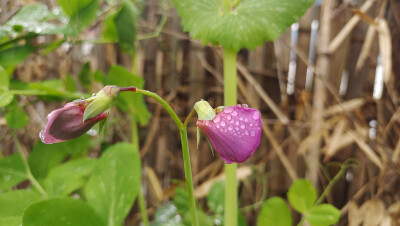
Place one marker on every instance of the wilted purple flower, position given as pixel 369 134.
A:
pixel 234 132
pixel 77 117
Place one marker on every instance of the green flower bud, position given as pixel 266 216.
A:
pixel 103 100
pixel 204 110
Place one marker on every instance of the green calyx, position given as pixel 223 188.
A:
pixel 204 110
pixel 103 101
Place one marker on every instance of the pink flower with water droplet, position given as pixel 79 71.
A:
pixel 234 132
pixel 78 117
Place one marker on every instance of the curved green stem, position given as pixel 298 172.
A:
pixel 185 151
pixel 30 176
pixel 166 106
pixel 230 98
pixel 141 199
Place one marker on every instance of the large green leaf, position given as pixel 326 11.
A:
pixel 323 215
pixel 5 98
pixel 115 182
pixel 275 212
pixel 248 24
pixel 17 118
pixel 46 156
pixel 80 12
pixel 61 212
pixel 13 205
pixel 181 200
pixel 12 171
pixel 216 197
pixel 68 177
pixel 14 55
pixel 128 101
pixel 34 18
pixel 302 195
pixel 120 26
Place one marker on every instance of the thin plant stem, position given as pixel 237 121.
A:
pixel 30 176
pixel 188 175
pixel 188 118
pixel 227 4
pixel 230 98
pixel 185 151
pixel 141 199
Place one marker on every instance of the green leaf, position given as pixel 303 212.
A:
pixel 68 177
pixel 275 212
pixel 14 55
pixel 204 220
pixel 216 197
pixel 247 25
pixel 17 118
pixel 34 18
pixel 181 200
pixel 167 215
pixel 70 83
pixel 5 98
pixel 61 212
pixel 115 182
pixel 323 215
pixel 12 171
pixel 85 76
pixel 99 76
pixel 81 14
pixel 4 79
pixel 126 27
pixel 13 205
pixel 302 195
pixel 128 101
pixel 46 156
pixel 120 26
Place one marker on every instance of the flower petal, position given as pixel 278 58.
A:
pixel 67 123
pixel 235 133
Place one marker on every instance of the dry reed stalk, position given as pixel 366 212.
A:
pixel 348 28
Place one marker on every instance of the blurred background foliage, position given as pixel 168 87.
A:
pixel 341 132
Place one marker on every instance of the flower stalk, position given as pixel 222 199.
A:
pixel 230 98
pixel 185 150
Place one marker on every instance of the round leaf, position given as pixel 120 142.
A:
pixel 61 212
pixel 248 24
pixel 302 195
pixel 323 215
pixel 275 212
pixel 17 118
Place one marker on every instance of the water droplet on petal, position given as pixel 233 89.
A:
pixel 256 115
pixel 242 126
pixel 234 113
pixel 246 119
pixel 217 119
pixel 232 121
pixel 207 123
pixel 241 118
pixel 246 132
pixel 230 127
pixel 237 123
pixel 251 124
pixel 252 133
pixel 245 105
pixel 228 117
pixel 236 128
pixel 217 125
pixel 228 110
pixel 223 123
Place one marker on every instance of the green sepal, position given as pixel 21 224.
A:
pixel 209 143
pixel 204 110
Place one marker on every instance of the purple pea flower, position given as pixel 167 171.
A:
pixel 67 123
pixel 234 132
pixel 77 117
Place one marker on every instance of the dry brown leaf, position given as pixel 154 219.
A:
pixel 385 46
pixel 202 190
pixel 347 106
pixel 371 213
pixel 337 140
pixel 366 149
pixel 155 185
